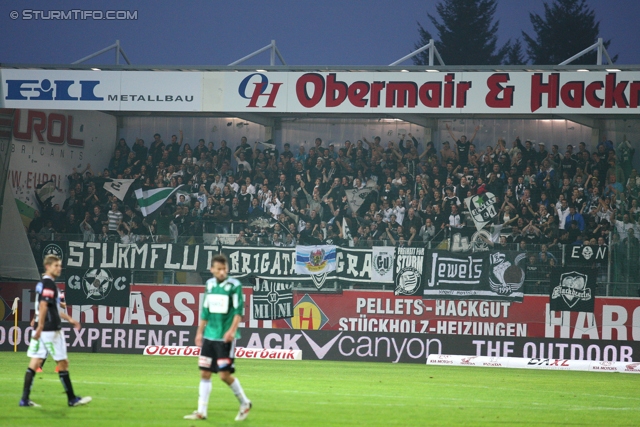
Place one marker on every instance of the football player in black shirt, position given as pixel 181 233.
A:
pixel 48 337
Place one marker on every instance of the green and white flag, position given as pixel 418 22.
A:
pixel 150 200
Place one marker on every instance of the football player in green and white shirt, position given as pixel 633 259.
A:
pixel 220 315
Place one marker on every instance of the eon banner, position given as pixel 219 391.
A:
pixel 507 92
pixel 614 319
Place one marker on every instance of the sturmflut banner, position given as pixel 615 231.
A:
pixel 494 276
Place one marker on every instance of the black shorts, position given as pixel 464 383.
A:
pixel 216 356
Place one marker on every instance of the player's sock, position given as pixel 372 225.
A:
pixel 66 383
pixel 43 362
pixel 203 396
pixel 28 382
pixel 238 391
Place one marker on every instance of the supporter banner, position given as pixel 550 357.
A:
pixel 118 187
pixel 58 249
pixel 467 239
pixel 481 208
pixel 382 263
pixel 99 286
pixel 141 256
pixel 487 276
pixel 586 254
pixel 357 196
pixel 573 290
pixel 315 260
pixel 468 92
pixel 408 271
pixel 351 264
pixel 272 299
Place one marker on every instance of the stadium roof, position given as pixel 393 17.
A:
pixel 328 68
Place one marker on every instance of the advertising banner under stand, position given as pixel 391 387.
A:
pixel 337 345
pixel 613 319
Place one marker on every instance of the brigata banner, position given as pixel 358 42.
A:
pixel 483 275
pixel 381 92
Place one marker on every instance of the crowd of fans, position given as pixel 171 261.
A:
pixel 546 194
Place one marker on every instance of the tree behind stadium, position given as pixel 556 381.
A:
pixel 466 34
pixel 567 27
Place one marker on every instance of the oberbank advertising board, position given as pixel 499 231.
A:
pixel 515 92
pixel 354 325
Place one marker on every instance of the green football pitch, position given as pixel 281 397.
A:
pixel 131 390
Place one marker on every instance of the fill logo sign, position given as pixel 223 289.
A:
pixel 307 315
pixel 46 90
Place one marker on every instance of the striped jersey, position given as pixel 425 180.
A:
pixel 221 302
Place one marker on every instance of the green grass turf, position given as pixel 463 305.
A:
pixel 131 390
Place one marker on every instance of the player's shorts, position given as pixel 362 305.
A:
pixel 216 356
pixel 50 342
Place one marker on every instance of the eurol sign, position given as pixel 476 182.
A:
pixel 514 92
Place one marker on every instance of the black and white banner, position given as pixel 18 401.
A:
pixel 272 299
pixel 586 254
pixel 142 256
pixel 482 208
pixel 98 286
pixel 468 239
pixel 54 248
pixel 409 271
pixel 118 187
pixel 573 289
pixel 352 264
pixel 382 264
pixel 487 276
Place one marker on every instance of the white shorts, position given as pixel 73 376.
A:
pixel 51 343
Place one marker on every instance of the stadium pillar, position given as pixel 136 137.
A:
pixel 6 130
